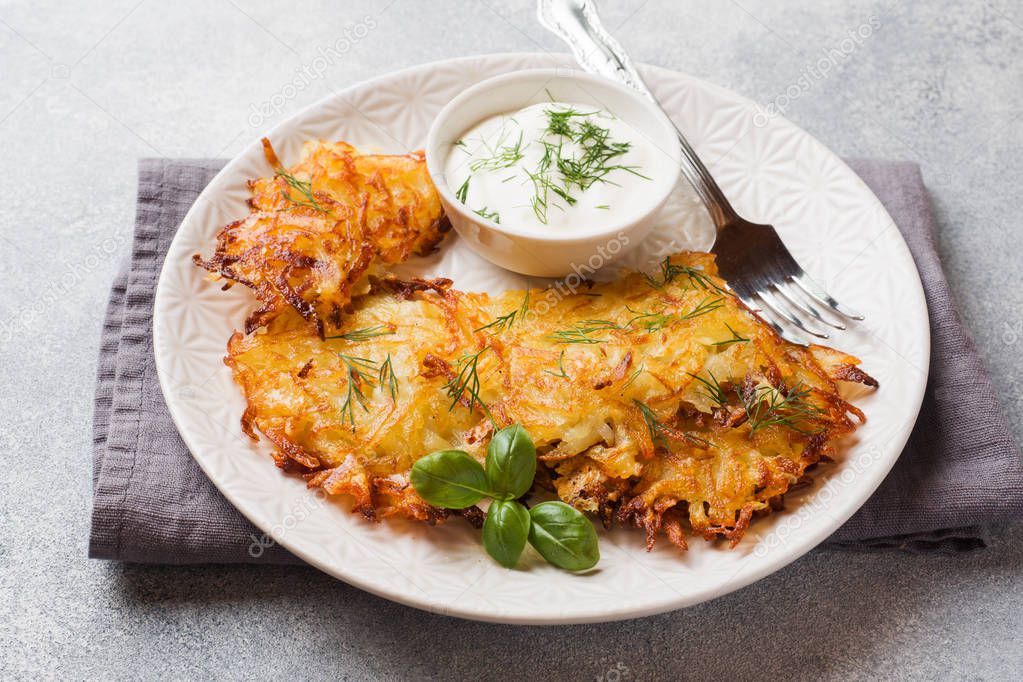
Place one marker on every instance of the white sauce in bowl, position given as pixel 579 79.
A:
pixel 555 167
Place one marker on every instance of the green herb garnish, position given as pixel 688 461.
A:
pixel 633 377
pixel 582 332
pixel 303 187
pixel 707 305
pixel 560 374
pixel 505 156
pixel 388 378
pixel 712 389
pixel 669 271
pixel 651 321
pixel 658 429
pixel 462 192
pixel 508 319
pixel 769 406
pixel 357 375
pixel 653 424
pixel 468 381
pixel 489 215
pixel 452 479
pixel 736 338
pixel 364 334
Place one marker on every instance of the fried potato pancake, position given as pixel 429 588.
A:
pixel 316 229
pixel 658 401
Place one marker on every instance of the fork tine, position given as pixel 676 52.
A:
pixel 752 301
pixel 823 297
pixel 772 302
pixel 783 290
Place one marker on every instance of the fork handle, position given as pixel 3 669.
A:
pixel 577 24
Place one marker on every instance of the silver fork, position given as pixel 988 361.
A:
pixel 750 257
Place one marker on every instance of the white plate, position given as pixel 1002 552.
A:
pixel 773 172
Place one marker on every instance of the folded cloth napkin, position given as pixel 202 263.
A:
pixel 151 503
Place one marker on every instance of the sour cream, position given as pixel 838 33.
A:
pixel 555 167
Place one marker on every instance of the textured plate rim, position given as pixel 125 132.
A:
pixel 797 547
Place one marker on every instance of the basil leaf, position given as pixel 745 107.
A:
pixel 450 479
pixel 505 531
pixel 563 536
pixel 511 462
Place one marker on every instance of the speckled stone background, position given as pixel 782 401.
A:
pixel 89 87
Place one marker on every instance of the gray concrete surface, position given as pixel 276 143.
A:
pixel 89 87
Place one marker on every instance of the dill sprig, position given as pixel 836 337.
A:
pixel 508 319
pixel 706 305
pixel 543 186
pixel 633 377
pixel 651 321
pixel 668 271
pixel 653 424
pixel 560 374
pixel 468 381
pixel 488 214
pixel 583 331
pixel 387 377
pixel 463 191
pixel 658 429
pixel 559 121
pixel 505 156
pixel 712 388
pixel 364 334
pixel 305 188
pixel 736 338
pixel 357 375
pixel 594 164
pixel 769 406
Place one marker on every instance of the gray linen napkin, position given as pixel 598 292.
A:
pixel 151 503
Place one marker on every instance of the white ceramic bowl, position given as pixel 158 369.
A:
pixel 555 254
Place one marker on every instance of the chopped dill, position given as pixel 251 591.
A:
pixel 633 377
pixel 559 121
pixel 305 188
pixel 561 368
pixel 707 305
pixel 468 381
pixel 711 388
pixel 508 319
pixel 768 406
pixel 736 338
pixel 357 375
pixel 583 331
pixel 462 192
pixel 363 334
pixel 653 424
pixel 651 321
pixel 489 215
pixel 505 156
pixel 388 378
pixel 669 271
pixel 658 429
